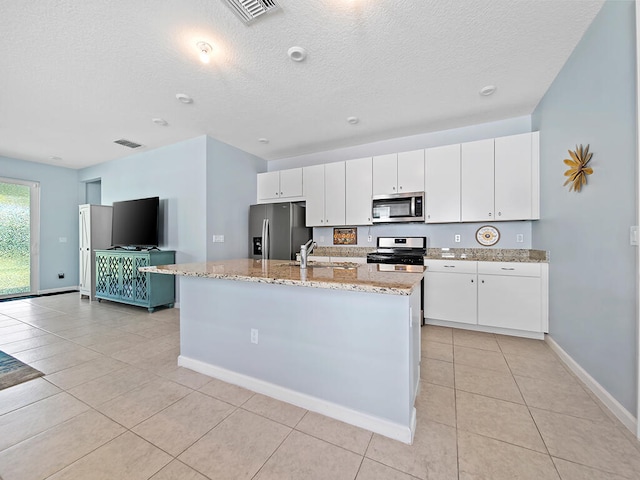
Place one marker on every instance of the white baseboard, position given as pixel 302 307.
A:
pixel 486 329
pixel 621 413
pixel 384 427
pixel 57 290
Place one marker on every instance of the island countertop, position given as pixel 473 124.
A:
pixel 371 278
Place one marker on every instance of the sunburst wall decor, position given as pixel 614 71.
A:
pixel 578 170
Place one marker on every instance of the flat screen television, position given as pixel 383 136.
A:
pixel 135 223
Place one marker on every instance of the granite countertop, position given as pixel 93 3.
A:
pixel 354 277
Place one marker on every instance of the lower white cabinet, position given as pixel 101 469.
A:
pixel 502 297
pixel 451 292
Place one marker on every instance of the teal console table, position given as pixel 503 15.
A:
pixel 118 278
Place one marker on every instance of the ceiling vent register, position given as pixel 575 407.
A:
pixel 127 143
pixel 249 10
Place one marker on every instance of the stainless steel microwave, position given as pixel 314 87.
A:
pixel 399 207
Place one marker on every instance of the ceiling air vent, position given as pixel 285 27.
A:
pixel 127 143
pixel 249 10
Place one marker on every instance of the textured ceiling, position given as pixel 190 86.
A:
pixel 77 75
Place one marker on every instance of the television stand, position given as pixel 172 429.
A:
pixel 118 278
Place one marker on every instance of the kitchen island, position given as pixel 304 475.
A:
pixel 340 340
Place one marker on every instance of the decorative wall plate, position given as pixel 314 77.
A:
pixel 487 235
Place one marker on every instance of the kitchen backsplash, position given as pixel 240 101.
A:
pixel 438 235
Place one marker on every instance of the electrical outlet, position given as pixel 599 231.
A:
pixel 370 238
pixel 457 238
pixel 519 237
pixel 218 239
pixel 61 275
pixel 254 335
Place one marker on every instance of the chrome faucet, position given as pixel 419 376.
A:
pixel 305 250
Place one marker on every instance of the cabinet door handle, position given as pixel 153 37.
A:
pixel 394 188
pixel 449 266
pixel 400 187
pixel 505 268
pixel 499 214
pixel 472 280
pixel 482 281
pixel 280 193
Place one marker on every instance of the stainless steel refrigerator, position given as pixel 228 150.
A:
pixel 276 230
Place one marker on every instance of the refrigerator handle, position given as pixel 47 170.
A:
pixel 267 239
pixel 264 222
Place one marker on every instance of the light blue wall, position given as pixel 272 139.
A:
pixel 176 174
pixel 58 218
pixel 592 271
pixel 231 188
pixel 438 236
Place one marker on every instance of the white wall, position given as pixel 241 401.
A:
pixel 510 126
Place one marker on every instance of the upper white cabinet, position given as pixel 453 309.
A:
pixel 398 173
pixel 442 184
pixel 477 181
pixel 500 179
pixel 359 189
pixel 483 181
pixel 283 184
pixel 517 177
pixel 325 194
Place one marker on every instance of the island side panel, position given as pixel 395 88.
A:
pixel 354 349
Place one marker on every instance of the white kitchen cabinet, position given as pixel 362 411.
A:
pixel 510 295
pixel 94 234
pixel 477 199
pixel 398 173
pixel 442 184
pixel 501 297
pixel 500 179
pixel 411 171
pixel 280 185
pixel 450 291
pixel 325 194
pixel 516 177
pixel 358 191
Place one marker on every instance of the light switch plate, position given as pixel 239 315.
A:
pixel 457 238
pixel 519 237
pixel 218 239
pixel 633 235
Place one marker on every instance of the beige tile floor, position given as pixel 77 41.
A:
pixel 114 405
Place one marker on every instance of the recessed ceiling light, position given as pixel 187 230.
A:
pixel 353 120
pixel 184 98
pixel 160 121
pixel 263 140
pixel 488 90
pixel 297 54
pixel 204 50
